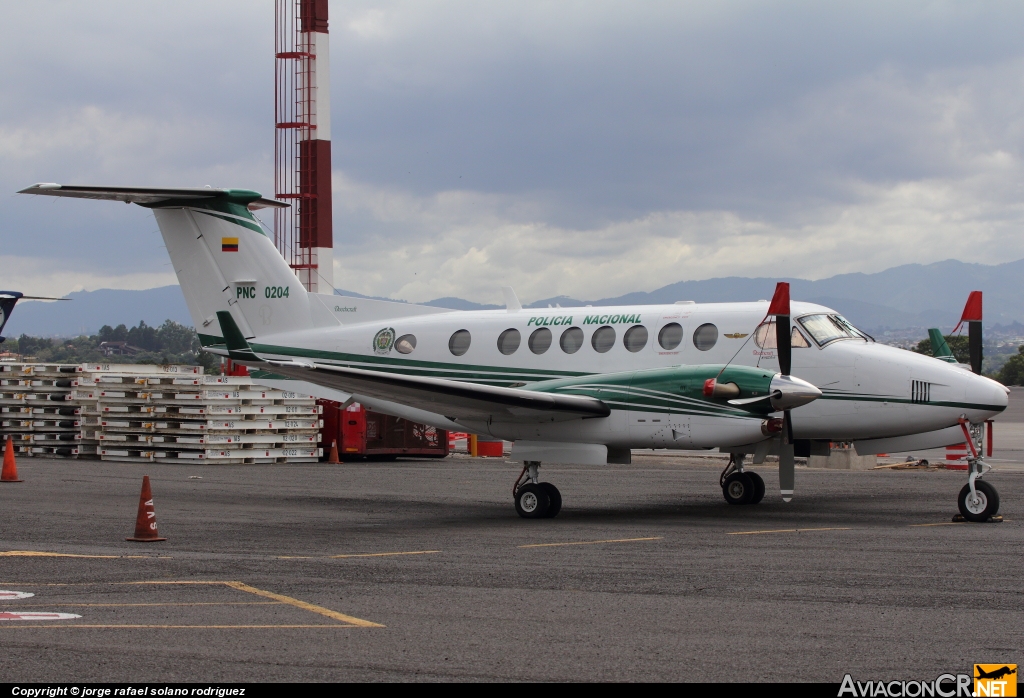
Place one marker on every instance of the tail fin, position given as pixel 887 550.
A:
pixel 225 262
pixel 9 299
pixel 940 348
pixel 221 256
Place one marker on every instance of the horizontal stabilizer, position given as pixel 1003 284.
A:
pixel 149 196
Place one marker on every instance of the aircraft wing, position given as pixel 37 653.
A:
pixel 452 399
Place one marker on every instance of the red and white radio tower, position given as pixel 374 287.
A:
pixel 302 144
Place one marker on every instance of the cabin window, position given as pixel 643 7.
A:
pixel 540 340
pixel 405 344
pixel 508 341
pixel 571 340
pixel 671 336
pixel 635 338
pixel 459 343
pixel 705 336
pixel 603 339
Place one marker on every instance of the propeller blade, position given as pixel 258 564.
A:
pixel 787 460
pixel 972 316
pixel 779 307
pixel 785 342
pixel 974 343
pixel 787 417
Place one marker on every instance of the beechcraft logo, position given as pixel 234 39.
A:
pixel 384 340
pixel 995 680
pixel 229 244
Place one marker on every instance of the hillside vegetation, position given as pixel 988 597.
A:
pixel 170 343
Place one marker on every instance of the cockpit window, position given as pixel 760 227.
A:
pixel 765 337
pixel 829 328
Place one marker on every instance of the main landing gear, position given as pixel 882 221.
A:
pixel 535 500
pixel 740 486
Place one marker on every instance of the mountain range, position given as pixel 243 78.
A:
pixel 904 297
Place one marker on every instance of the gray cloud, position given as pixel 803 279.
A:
pixel 581 148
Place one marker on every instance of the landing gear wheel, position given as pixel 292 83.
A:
pixel 554 499
pixel 980 509
pixel 758 487
pixel 738 488
pixel 532 501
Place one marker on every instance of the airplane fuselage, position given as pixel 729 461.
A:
pixel 869 390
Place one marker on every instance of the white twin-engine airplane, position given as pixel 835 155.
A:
pixel 570 385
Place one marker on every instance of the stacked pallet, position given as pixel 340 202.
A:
pixel 35 411
pixel 132 413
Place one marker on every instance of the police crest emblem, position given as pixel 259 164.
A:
pixel 384 340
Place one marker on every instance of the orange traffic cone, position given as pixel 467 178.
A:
pixel 333 457
pixel 10 471
pixel 145 522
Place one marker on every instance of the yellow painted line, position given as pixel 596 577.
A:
pixel 40 553
pixel 589 542
pixel 411 552
pixel 941 523
pixel 785 530
pixel 174 627
pixel 358 622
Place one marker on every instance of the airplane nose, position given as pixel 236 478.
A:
pixel 988 395
pixel 789 391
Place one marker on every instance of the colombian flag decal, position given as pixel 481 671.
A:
pixel 229 244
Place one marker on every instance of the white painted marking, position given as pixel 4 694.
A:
pixel 6 615
pixel 12 595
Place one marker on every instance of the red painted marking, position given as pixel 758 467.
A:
pixel 780 301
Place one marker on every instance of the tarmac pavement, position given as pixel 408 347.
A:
pixel 421 570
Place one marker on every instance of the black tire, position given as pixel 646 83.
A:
pixel 554 499
pixel 532 501
pixel 986 507
pixel 738 488
pixel 758 487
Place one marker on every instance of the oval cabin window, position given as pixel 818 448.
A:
pixel 405 344
pixel 603 339
pixel 508 341
pixel 705 337
pixel 540 340
pixel 635 338
pixel 671 336
pixel 571 340
pixel 459 343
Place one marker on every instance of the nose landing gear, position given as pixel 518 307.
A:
pixel 740 486
pixel 978 500
pixel 533 499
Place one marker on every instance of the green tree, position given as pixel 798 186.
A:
pixel 958 344
pixel 175 338
pixel 1012 372
pixel 113 334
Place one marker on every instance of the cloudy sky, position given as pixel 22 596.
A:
pixel 578 148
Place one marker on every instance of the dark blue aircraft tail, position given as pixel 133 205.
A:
pixel 8 299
